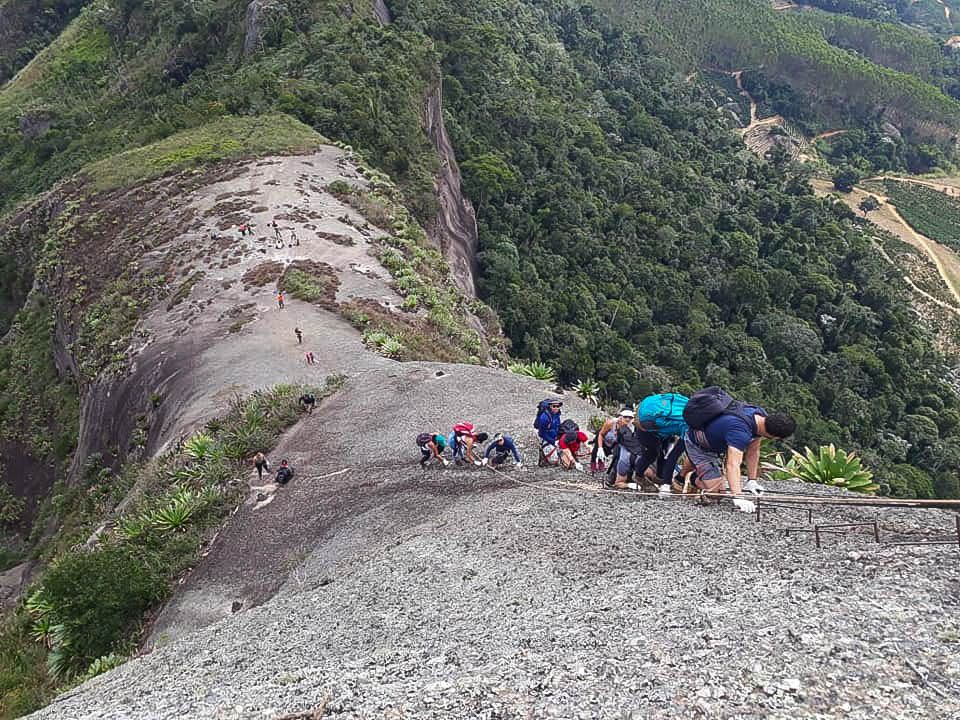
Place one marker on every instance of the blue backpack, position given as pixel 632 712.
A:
pixel 663 414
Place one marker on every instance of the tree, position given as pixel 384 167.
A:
pixel 845 178
pixel 868 205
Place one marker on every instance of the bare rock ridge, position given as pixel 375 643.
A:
pixel 254 23
pixel 454 229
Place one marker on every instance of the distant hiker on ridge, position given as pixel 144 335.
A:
pixel 720 425
pixel 284 473
pixel 280 298
pixel 299 334
pixel 307 401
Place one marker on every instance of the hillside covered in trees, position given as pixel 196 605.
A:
pixel 626 235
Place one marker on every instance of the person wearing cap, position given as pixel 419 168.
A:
pixel 637 448
pixel 501 447
pixel 569 445
pixel 548 429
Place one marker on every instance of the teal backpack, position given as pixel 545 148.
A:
pixel 663 414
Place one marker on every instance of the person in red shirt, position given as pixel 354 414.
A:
pixel 570 444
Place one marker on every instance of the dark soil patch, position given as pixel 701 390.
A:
pixel 337 239
pixel 225 208
pixel 263 274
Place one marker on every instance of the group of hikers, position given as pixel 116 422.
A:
pixel 640 447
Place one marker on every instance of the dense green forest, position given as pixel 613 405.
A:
pixel 927 14
pixel 626 234
pixel 844 88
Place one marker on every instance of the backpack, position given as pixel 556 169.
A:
pixel 542 407
pixel 424 438
pixel 710 403
pixel 567 426
pixel 663 414
pixel 463 428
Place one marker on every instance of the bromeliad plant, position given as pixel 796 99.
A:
pixel 828 466
pixel 537 370
pixel 589 390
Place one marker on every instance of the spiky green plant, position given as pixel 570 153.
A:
pixel 391 347
pixel 132 527
pixel 102 664
pixel 537 370
pixel 589 390
pixel 827 466
pixel 199 446
pixel 38 606
pixel 178 512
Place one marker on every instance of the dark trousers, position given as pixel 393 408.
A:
pixel 667 462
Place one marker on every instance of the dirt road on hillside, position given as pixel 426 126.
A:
pixel 888 218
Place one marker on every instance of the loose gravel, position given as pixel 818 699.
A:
pixel 463 593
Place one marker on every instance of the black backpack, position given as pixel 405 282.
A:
pixel 567 426
pixel 708 404
pixel 541 409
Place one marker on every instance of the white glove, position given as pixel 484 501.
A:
pixel 752 486
pixel 578 466
pixel 444 461
pixel 744 505
pixel 601 455
pixel 478 463
pixel 485 461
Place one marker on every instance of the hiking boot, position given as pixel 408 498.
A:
pixel 621 485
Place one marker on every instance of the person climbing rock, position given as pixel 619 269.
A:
pixel 307 401
pixel 604 445
pixel 724 434
pixel 284 473
pixel 243 230
pixel 299 334
pixel 294 240
pixel 261 463
pixel 637 449
pixel 280 299
pixel 569 446
pixel 276 230
pixel 501 447
pixel 462 440
pixel 431 445
pixel 547 425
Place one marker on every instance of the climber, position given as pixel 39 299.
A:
pixel 284 473
pixel 735 430
pixel 569 446
pixel 547 425
pixel 307 401
pixel 501 447
pixel 432 445
pixel 261 463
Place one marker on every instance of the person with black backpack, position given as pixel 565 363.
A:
pixel 307 401
pixel 284 473
pixel 547 425
pixel 725 433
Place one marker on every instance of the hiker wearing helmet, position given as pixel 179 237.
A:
pixel 547 425
pixel 432 445
pixel 720 426
pixel 501 447
pixel 569 446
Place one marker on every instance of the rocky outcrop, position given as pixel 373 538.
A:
pixel 257 12
pixel 36 123
pixel 454 229
pixel 382 12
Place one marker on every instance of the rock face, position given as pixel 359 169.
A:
pixel 255 19
pixel 382 12
pixel 455 227
pixel 36 123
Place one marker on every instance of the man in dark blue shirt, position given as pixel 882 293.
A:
pixel 737 435
pixel 548 429
pixel 500 448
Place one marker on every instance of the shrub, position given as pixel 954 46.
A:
pixel 97 598
pixel 536 370
pixel 177 512
pixel 588 390
pixel 828 466
pixel 102 664
pixel 199 446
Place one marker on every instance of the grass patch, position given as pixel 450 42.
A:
pixel 312 282
pixel 929 212
pixel 224 139
pixel 183 292
pixel 85 614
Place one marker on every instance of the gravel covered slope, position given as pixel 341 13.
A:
pixel 464 593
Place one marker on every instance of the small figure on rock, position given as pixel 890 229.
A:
pixel 307 401
pixel 280 299
pixel 299 333
pixel 308 356
pixel 431 445
pixel 501 447
pixel 243 229
pixel 284 473
pixel 276 229
pixel 294 240
pixel 261 463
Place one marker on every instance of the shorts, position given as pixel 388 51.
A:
pixel 709 464
pixel 425 452
pixel 499 459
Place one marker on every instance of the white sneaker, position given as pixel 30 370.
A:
pixel 752 486
pixel 665 489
